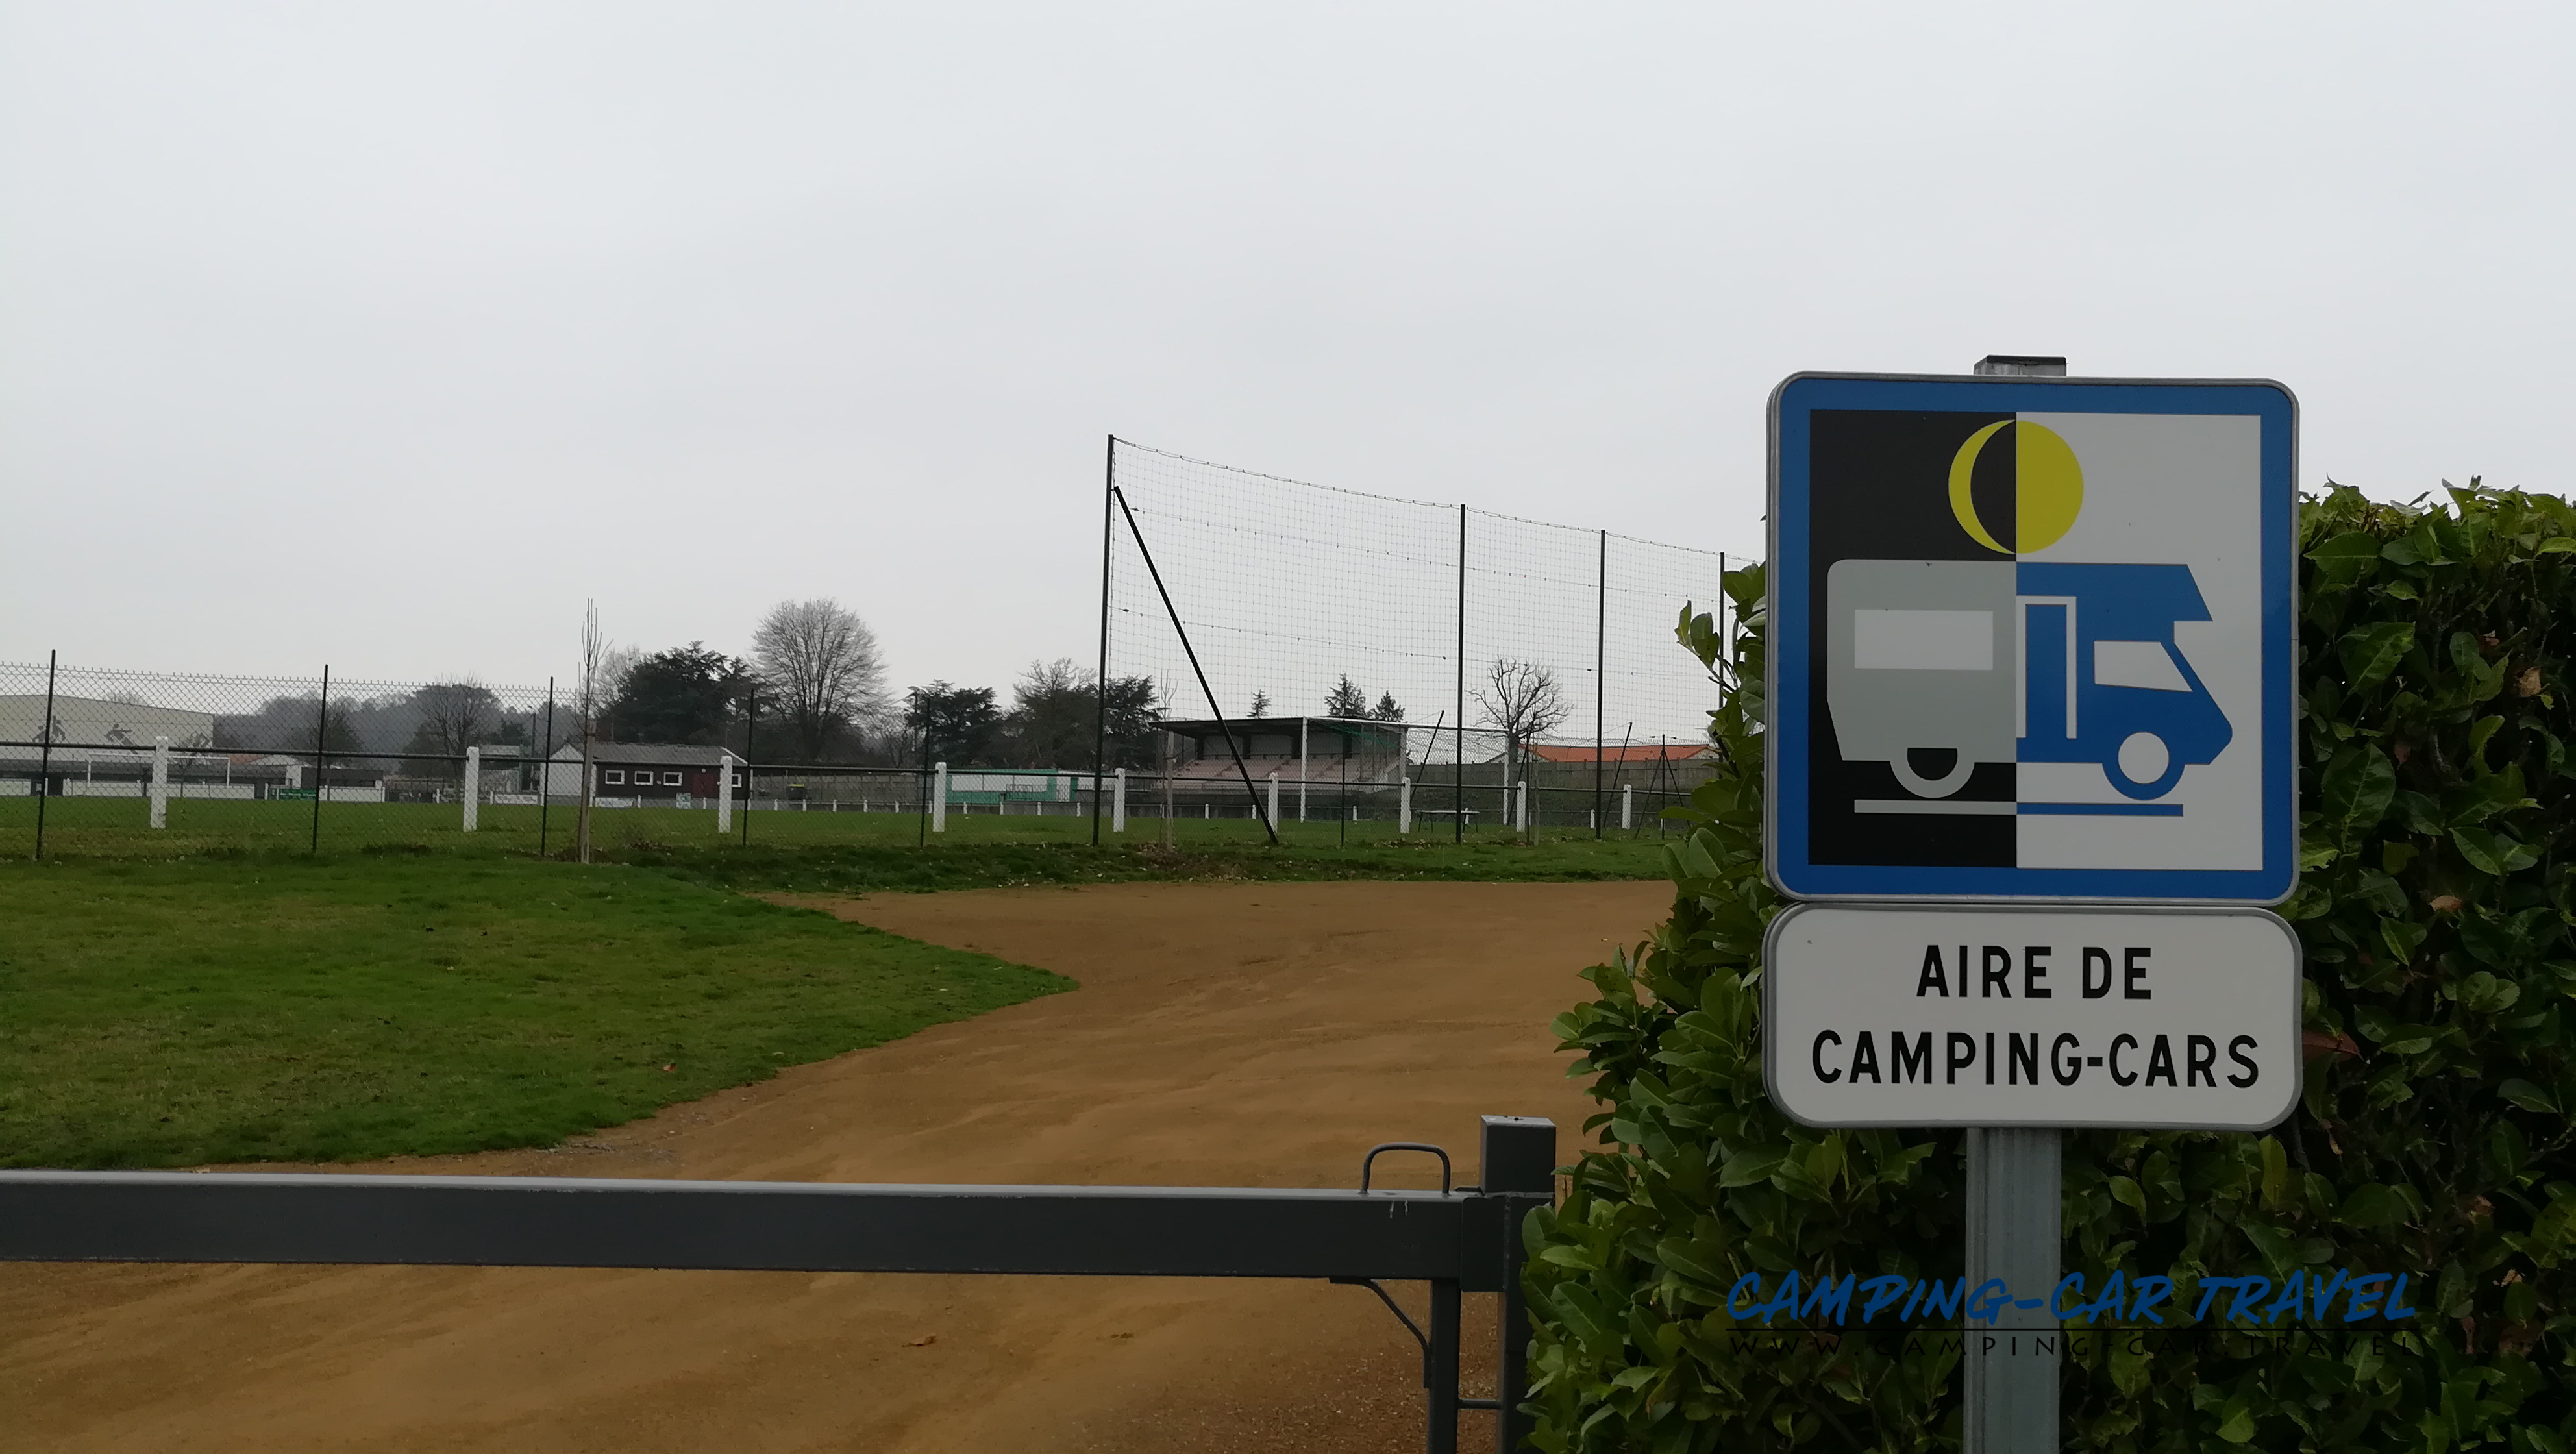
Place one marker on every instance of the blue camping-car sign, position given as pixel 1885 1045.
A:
pixel 2032 639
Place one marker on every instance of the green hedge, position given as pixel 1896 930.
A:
pixel 2433 1138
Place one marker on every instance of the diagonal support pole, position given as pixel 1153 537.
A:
pixel 1251 793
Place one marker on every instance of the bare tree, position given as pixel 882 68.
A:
pixel 454 715
pixel 820 664
pixel 1521 698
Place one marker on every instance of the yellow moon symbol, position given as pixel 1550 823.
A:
pixel 2048 487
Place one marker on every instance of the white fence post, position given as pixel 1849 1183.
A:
pixel 1274 802
pixel 1627 805
pixel 939 798
pixel 1403 805
pixel 1520 806
pixel 724 793
pixel 160 782
pixel 473 785
pixel 1118 804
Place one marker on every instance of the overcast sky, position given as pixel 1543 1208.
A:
pixel 385 334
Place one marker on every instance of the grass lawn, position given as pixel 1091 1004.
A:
pixel 217 993
pixel 279 1007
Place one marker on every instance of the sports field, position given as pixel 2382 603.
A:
pixel 1223 1033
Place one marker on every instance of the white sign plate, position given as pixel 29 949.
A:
pixel 1903 1015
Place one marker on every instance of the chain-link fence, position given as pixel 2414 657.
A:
pixel 1318 629
pixel 104 763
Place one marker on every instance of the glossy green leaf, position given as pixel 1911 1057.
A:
pixel 2370 653
pixel 2359 784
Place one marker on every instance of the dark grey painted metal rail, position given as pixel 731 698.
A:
pixel 1462 1241
pixel 782 1226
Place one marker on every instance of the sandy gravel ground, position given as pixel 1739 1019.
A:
pixel 1259 1035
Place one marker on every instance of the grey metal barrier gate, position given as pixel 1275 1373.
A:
pixel 1457 1240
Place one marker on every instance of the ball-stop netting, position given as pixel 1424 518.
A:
pixel 1469 651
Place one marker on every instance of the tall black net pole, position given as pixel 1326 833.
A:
pixel 45 754
pixel 1458 769
pixel 1725 658
pixel 1100 737
pixel 1600 676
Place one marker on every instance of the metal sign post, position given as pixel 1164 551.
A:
pixel 2008 1370
pixel 2030 673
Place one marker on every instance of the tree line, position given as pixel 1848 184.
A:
pixel 1521 699
pixel 814 689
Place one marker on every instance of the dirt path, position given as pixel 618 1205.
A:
pixel 1224 1034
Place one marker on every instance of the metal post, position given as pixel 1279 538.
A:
pixel 45 757
pixel 1725 642
pixel 1100 737
pixel 1663 789
pixel 724 793
pixel 1440 1369
pixel 1517 1162
pixel 1274 802
pixel 939 797
pixel 2015 1224
pixel 1118 802
pixel 321 746
pixel 1600 674
pixel 1403 806
pixel 2009 1375
pixel 160 814
pixel 1627 805
pixel 1458 773
pixel 920 790
pixel 546 772
pixel 473 785
pixel 750 783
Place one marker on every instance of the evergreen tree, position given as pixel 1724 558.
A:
pixel 685 694
pixel 956 724
pixel 1387 710
pixel 1260 704
pixel 1346 700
